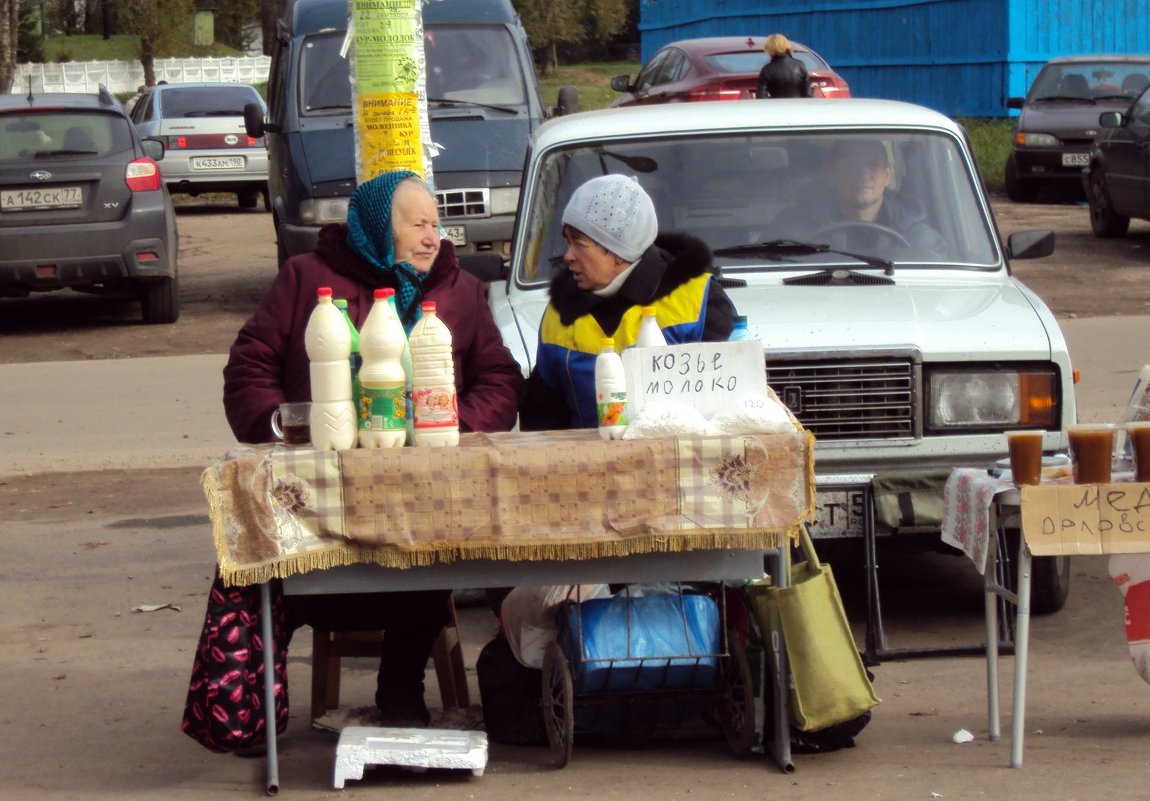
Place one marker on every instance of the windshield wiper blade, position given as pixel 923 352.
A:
pixel 1064 97
pixel 777 249
pixel 445 102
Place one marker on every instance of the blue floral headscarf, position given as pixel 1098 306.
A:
pixel 369 236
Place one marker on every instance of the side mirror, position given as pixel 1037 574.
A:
pixel 1110 119
pixel 487 267
pixel 1014 102
pixel 1032 244
pixel 621 83
pixel 254 120
pixel 568 101
pixel 154 149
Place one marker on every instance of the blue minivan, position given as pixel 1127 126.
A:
pixel 483 104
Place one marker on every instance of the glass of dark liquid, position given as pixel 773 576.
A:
pixel 290 422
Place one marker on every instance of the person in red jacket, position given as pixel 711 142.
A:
pixel 391 239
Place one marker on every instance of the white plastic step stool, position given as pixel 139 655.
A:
pixel 360 746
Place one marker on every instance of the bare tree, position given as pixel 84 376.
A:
pixel 549 22
pixel 9 33
pixel 270 11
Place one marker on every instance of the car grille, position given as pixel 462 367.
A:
pixel 849 399
pixel 456 203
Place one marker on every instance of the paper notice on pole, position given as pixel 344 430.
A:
pixel 388 69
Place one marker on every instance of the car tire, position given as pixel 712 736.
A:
pixel 160 301
pixel 1107 224
pixel 1016 189
pixel 248 198
pixel 568 100
pixel 1049 578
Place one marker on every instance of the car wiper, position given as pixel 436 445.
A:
pixel 1117 96
pixel 1064 97
pixel 778 249
pixel 220 112
pixel 48 154
pixel 445 102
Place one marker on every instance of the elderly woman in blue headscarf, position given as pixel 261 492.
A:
pixel 391 239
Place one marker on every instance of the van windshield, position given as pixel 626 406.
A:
pixel 464 65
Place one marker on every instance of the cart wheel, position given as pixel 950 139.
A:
pixel 558 715
pixel 738 699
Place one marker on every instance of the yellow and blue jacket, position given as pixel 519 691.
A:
pixel 674 276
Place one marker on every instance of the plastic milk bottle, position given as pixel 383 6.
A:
pixel 328 343
pixel 382 406
pixel 354 360
pixel 650 334
pixel 435 406
pixel 610 391
pixel 407 374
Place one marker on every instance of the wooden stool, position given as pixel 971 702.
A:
pixel 329 647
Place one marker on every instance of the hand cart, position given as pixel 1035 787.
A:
pixel 634 662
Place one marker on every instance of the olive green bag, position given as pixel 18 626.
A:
pixel 828 683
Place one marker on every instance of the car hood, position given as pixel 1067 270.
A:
pixel 1068 118
pixel 963 320
pixel 471 144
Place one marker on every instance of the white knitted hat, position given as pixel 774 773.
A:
pixel 615 212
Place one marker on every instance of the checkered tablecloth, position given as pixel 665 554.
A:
pixel 966 504
pixel 515 495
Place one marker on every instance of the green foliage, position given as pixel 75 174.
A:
pixel 990 139
pixel 118 48
pixel 548 22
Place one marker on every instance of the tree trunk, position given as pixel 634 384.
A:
pixel 9 30
pixel 148 59
pixel 268 16
pixel 550 60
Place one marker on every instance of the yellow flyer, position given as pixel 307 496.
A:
pixel 387 79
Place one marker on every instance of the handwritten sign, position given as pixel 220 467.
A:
pixel 1086 519
pixel 704 375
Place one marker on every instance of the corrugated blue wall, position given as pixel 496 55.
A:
pixel 961 57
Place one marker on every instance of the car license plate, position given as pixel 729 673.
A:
pixel 218 163
pixel 839 514
pixel 56 197
pixel 1075 159
pixel 456 233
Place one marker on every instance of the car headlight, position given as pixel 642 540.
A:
pixel 321 211
pixel 992 400
pixel 504 199
pixel 1024 139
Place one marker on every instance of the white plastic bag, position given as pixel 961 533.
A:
pixel 529 621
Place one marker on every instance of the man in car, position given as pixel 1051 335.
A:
pixel 854 210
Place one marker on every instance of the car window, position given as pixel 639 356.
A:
pixel 205 101
pixel 43 136
pixel 473 64
pixel 753 61
pixel 1140 113
pixel 647 75
pixel 144 109
pixel 751 188
pixel 674 67
pixel 1090 80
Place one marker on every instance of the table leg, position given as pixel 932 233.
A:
pixel 990 601
pixel 781 747
pixel 273 763
pixel 1021 651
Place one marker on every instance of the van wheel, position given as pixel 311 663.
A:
pixel 248 198
pixel 160 301
pixel 1107 224
pixel 568 100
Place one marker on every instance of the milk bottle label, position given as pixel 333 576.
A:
pixel 612 408
pixel 436 406
pixel 383 409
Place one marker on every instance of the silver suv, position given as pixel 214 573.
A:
pixel 904 344
pixel 82 204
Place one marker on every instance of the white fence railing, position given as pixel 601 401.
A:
pixel 127 76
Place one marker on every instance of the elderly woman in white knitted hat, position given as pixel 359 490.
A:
pixel 617 262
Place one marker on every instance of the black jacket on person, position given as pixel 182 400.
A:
pixel 783 76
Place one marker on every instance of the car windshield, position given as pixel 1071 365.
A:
pixel 214 101
pixel 465 65
pixel 782 201
pixel 1090 80
pixel 46 135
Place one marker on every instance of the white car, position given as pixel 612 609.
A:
pixel 905 352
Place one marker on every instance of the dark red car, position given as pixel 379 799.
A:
pixel 719 68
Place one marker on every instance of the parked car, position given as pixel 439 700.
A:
pixel 905 356
pixel 1117 177
pixel 718 68
pixel 82 204
pixel 209 150
pixel 1059 118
